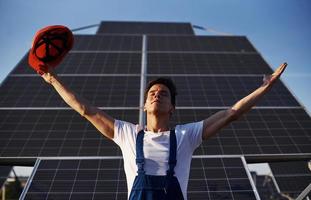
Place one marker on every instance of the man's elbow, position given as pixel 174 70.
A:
pixel 233 114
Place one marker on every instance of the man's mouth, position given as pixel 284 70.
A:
pixel 156 101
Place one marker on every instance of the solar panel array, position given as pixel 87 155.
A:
pixel 165 28
pixel 286 175
pixel 210 178
pixel 211 74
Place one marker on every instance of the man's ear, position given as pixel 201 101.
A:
pixel 172 110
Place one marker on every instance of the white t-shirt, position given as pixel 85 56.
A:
pixel 156 150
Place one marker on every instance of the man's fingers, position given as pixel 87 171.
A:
pixel 280 69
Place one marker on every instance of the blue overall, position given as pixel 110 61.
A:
pixel 150 187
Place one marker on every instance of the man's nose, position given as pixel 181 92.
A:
pixel 157 95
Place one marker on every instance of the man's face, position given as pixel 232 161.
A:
pixel 159 100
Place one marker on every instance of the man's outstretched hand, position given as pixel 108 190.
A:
pixel 47 73
pixel 269 80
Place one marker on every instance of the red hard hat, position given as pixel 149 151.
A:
pixel 49 46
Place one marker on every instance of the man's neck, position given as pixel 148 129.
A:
pixel 157 123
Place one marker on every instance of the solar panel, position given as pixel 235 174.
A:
pixel 206 63
pixel 165 28
pixel 210 178
pixel 209 91
pixel 64 133
pixel 33 133
pixel 4 173
pixel 29 91
pixel 91 62
pixel 292 177
pixel 200 43
pixel 260 132
pixel 107 42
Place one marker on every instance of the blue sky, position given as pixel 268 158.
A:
pixel 279 29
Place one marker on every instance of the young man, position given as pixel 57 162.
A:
pixel 157 159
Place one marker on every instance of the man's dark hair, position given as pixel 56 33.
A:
pixel 164 81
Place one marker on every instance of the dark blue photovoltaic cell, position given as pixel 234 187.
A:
pixel 224 44
pixel 210 178
pixel 162 28
pixel 107 43
pixel 100 91
pixel 206 63
pixel 91 62
pixel 34 133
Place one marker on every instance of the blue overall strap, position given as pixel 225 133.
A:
pixel 172 157
pixel 140 159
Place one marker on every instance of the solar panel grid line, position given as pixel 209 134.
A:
pixel 254 135
pixel 78 75
pixel 235 132
pixel 208 75
pixel 204 52
pixel 135 108
pixel 68 121
pixel 287 133
pixel 270 134
pixel 227 178
pixel 12 135
pixel 244 191
pixel 54 176
pixel 31 131
pixel 66 108
pixel 75 179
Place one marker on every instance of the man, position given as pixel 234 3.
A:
pixel 157 159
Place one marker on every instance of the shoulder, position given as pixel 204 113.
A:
pixel 189 126
pixel 125 131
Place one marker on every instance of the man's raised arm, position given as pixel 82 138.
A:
pixel 217 121
pixel 103 122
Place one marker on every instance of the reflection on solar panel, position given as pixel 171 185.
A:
pixel 210 178
pixel 145 28
pixel 292 177
pixel 4 173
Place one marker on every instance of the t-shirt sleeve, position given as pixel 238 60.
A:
pixel 193 133
pixel 124 132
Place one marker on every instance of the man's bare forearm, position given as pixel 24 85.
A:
pixel 74 101
pixel 222 118
pixel 102 121
pixel 245 104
